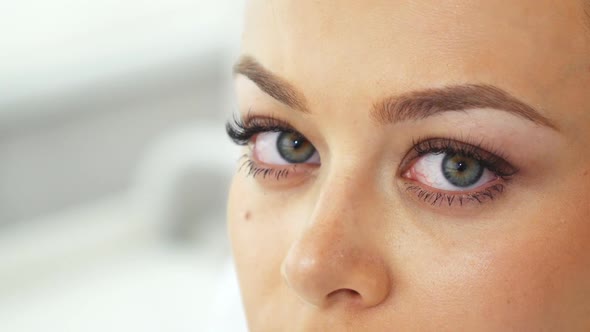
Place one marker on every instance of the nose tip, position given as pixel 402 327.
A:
pixel 323 279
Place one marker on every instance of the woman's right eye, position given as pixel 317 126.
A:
pixel 283 148
pixel 275 148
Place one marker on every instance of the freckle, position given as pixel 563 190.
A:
pixel 247 215
pixel 585 173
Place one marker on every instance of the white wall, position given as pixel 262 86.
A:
pixel 114 166
pixel 50 45
pixel 87 86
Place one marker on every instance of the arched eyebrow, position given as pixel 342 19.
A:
pixel 420 104
pixel 275 86
pixel 413 105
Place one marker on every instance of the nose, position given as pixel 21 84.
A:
pixel 334 261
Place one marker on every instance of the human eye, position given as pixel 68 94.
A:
pixel 276 149
pixel 445 171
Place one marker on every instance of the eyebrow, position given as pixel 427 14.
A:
pixel 421 104
pixel 275 86
pixel 413 105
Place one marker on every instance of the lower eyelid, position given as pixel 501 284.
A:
pixel 289 174
pixel 455 199
pixel 255 169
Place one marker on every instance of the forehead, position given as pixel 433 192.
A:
pixel 375 45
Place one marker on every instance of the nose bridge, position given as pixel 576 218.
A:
pixel 346 189
pixel 333 259
pixel 340 194
pixel 339 211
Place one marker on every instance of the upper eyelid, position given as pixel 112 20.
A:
pixel 257 124
pixel 264 121
pixel 242 130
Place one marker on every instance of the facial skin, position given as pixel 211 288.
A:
pixel 348 241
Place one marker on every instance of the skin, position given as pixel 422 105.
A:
pixel 344 246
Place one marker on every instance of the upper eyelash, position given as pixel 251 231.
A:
pixel 490 159
pixel 241 132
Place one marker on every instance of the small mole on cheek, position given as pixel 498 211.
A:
pixel 247 215
pixel 585 173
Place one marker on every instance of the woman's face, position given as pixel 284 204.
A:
pixel 413 165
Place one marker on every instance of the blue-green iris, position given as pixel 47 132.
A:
pixel 461 171
pixel 294 148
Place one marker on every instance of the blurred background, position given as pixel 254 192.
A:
pixel 114 165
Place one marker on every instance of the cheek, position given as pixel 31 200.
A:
pixel 540 273
pixel 534 274
pixel 540 279
pixel 260 239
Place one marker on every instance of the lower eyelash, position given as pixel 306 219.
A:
pixel 254 170
pixel 434 198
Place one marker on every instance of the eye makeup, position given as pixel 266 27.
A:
pixel 254 170
pixel 434 198
pixel 491 168
pixel 480 173
pixel 488 157
pixel 242 131
pixel 286 154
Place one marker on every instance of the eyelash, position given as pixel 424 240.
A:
pixel 255 170
pixel 242 132
pixel 432 197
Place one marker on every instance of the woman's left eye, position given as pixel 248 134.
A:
pixel 284 148
pixel 450 172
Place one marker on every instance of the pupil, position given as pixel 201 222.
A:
pixel 461 166
pixel 297 143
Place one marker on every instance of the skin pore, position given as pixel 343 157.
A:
pixel 359 228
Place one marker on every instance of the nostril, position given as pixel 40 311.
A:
pixel 344 294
